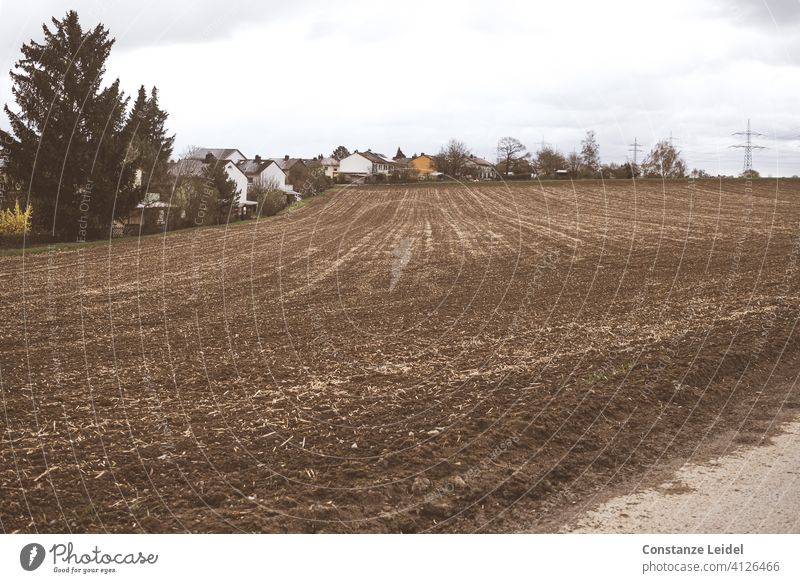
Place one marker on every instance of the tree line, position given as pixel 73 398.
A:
pixel 514 159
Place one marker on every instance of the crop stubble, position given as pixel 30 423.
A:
pixel 394 358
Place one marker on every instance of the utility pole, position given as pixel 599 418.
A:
pixel 671 139
pixel 544 144
pixel 748 146
pixel 635 147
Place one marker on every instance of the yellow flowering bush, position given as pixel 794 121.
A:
pixel 15 221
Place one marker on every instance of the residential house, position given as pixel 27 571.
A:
pixel 296 171
pixel 263 172
pixel 195 167
pixel 422 164
pixel 480 168
pixel 365 164
pixel 331 166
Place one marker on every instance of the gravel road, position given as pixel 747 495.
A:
pixel 753 490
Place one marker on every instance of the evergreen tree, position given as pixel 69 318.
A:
pixel 340 153
pixel 67 149
pixel 225 188
pixel 148 146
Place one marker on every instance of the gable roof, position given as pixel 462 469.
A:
pixel 479 161
pixel 187 167
pixel 255 167
pixel 218 153
pixel 287 164
pixel 329 161
pixel 375 158
pixel 195 167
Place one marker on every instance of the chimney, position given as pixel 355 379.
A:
pixel 286 157
pixel 258 158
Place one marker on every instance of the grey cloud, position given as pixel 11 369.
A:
pixel 145 23
pixel 761 13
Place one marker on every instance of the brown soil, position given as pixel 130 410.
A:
pixel 432 358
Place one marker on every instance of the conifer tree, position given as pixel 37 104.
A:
pixel 149 146
pixel 67 150
pixel 225 188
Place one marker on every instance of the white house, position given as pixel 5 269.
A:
pixel 331 166
pixel 365 163
pixel 264 172
pixel 194 167
pixel 227 156
pixel 239 177
pixel 482 169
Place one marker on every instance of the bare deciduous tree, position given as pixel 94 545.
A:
pixel 452 158
pixel 547 161
pixel 510 151
pixel 574 164
pixel 590 155
pixel 664 161
pixel 269 196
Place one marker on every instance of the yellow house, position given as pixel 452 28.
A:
pixel 423 164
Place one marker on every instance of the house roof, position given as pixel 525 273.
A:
pixel 218 153
pixel 329 162
pixel 255 167
pixel 287 163
pixel 187 167
pixel 375 158
pixel 194 167
pixel 480 161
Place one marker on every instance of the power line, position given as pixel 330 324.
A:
pixel 748 147
pixel 635 148
pixel 671 139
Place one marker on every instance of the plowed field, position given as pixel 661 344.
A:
pixel 394 359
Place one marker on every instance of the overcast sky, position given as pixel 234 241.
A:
pixel 301 77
